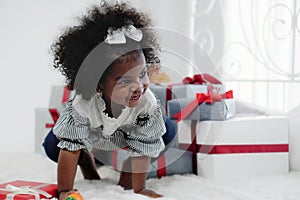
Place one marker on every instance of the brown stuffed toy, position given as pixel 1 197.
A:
pixel 157 76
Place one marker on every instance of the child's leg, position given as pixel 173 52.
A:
pixel 140 167
pixel 88 166
pixel 170 134
pixel 50 146
pixel 125 175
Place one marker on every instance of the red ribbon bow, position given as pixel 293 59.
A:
pixel 201 79
pixel 210 98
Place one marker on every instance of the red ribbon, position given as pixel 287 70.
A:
pixel 169 93
pixel 161 166
pixel 115 157
pixel 243 148
pixel 192 146
pixel 66 95
pixel 201 79
pixel 168 96
pixel 210 98
pixel 197 79
pixel 54 112
pixel 55 115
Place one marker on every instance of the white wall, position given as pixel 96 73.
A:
pixel 175 30
pixel 27 29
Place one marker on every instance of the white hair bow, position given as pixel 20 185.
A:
pixel 118 36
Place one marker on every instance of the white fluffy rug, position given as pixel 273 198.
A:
pixel 34 167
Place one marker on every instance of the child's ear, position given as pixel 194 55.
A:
pixel 99 88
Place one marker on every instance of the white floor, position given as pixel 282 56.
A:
pixel 34 167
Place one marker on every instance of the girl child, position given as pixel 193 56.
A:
pixel 105 60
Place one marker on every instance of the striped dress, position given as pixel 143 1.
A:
pixel 84 125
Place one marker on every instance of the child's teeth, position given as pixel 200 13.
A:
pixel 135 97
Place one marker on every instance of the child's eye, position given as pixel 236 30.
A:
pixel 143 73
pixel 123 82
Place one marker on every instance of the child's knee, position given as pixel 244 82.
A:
pixel 170 131
pixel 50 146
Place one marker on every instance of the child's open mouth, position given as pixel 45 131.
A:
pixel 135 97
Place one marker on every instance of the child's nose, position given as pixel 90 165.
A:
pixel 136 85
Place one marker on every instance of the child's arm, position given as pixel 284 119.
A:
pixel 140 167
pixel 66 171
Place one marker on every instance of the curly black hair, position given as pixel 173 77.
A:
pixel 77 42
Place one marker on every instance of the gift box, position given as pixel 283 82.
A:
pixel 165 93
pixel 186 134
pixel 59 95
pixel 21 190
pixel 242 147
pixel 204 106
pixel 172 161
pixel 186 139
pixel 219 110
pixel 294 138
pixel 45 119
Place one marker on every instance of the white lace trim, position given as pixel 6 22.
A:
pixel 94 111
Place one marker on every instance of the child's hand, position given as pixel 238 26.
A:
pixel 70 195
pixel 149 193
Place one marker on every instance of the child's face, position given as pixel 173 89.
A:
pixel 127 82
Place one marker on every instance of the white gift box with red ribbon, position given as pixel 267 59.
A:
pixel 294 138
pixel 43 124
pixel 45 118
pixel 204 106
pixel 237 147
pixel 186 138
pixel 244 146
pixel 199 83
pixel 59 95
pixel 164 92
pixel 172 161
